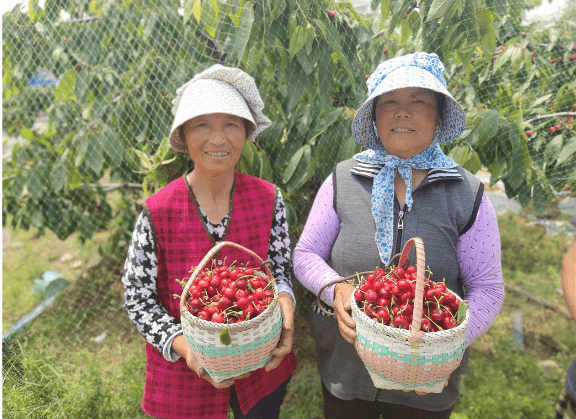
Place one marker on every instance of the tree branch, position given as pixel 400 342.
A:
pixel 217 53
pixel 550 116
pixel 115 186
pixel 537 300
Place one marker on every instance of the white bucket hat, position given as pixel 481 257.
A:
pixel 413 70
pixel 218 89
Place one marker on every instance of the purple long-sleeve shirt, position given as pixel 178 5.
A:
pixel 478 255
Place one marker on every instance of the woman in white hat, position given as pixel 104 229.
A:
pixel 214 114
pixel 402 186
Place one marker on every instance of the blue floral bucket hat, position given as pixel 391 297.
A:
pixel 413 70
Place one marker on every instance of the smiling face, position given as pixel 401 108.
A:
pixel 406 120
pixel 215 141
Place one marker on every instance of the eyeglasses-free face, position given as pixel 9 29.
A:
pixel 215 141
pixel 406 120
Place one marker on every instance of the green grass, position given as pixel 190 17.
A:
pixel 57 370
pixel 27 257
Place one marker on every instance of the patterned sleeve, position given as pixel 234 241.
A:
pixel 151 318
pixel 478 254
pixel 279 247
pixel 313 248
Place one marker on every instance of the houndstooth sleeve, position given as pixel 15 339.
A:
pixel 279 247
pixel 141 297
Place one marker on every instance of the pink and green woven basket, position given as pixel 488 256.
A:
pixel 251 340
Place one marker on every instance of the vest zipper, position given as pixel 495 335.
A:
pixel 400 228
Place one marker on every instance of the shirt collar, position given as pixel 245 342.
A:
pixel 370 170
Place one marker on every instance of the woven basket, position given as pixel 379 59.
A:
pixel 399 359
pixel 252 340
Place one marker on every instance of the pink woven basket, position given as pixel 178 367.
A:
pixel 400 359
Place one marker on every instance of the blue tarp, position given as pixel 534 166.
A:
pixel 42 78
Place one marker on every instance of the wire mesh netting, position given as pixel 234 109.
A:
pixel 88 87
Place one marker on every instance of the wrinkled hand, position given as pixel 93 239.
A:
pixel 181 346
pixel 342 293
pixel 423 393
pixel 285 345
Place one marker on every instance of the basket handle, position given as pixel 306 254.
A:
pixel 209 256
pixel 420 276
pixel 320 303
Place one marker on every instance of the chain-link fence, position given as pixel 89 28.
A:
pixel 88 86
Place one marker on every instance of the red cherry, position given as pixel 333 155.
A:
pixel 384 302
pixel 440 286
pixel 437 315
pixel 426 325
pixel 552 129
pixel 558 127
pixel 371 297
pixel 383 315
pixel 528 133
pixel 401 321
pixel 359 296
pixel 217 318
pixel 385 51
pixel 204 315
pixel 242 303
pixel 332 13
pixel 449 322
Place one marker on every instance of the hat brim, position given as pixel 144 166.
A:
pixel 205 97
pixel 453 121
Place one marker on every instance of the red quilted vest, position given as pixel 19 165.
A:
pixel 172 390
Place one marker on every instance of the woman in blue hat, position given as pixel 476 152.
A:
pixel 402 186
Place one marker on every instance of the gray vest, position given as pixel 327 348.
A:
pixel 442 211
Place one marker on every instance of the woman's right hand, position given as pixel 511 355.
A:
pixel 182 348
pixel 342 293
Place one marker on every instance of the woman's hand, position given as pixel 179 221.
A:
pixel 423 393
pixel 285 345
pixel 342 293
pixel 182 348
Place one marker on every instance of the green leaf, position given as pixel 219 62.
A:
pixel 225 337
pixel 461 313
pixel 59 173
pixel 34 185
pixel 253 58
pixel 567 150
pixel 192 7
pixel 95 156
pixel 488 34
pixel 488 127
pixel 66 86
pixel 243 35
pixel 209 17
pixel 347 149
pixel 552 151
pixel 299 176
pixel 293 164
pixel 438 9
pixel 460 154
pixel 113 146
pixel 297 40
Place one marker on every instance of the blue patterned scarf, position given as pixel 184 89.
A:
pixel 383 187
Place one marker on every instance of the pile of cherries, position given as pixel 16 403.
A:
pixel 229 294
pixel 388 298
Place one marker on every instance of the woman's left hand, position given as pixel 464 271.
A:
pixel 423 393
pixel 285 345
